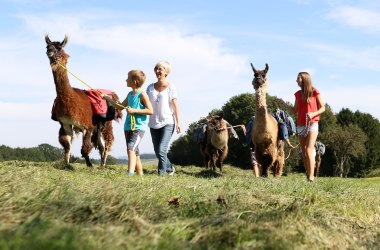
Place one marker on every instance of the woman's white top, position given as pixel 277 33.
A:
pixel 163 113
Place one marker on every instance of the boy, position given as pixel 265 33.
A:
pixel 138 108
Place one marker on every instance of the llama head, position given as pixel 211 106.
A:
pixel 259 77
pixel 216 121
pixel 55 52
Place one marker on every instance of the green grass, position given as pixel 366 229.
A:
pixel 43 207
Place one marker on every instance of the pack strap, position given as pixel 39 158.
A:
pixel 241 125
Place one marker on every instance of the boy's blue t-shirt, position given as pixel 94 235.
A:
pixel 141 120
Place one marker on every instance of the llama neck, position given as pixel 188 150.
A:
pixel 61 80
pixel 261 103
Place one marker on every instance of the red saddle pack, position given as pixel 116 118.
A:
pixel 102 111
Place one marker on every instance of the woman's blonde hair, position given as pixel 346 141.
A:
pixel 165 64
pixel 306 86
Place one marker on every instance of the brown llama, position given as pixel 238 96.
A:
pixel 73 110
pixel 269 149
pixel 215 148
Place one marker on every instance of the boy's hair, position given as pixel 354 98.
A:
pixel 165 64
pixel 138 76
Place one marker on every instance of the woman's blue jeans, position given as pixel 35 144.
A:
pixel 161 138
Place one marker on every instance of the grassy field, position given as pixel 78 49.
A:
pixel 43 207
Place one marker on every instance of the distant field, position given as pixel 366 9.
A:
pixel 44 207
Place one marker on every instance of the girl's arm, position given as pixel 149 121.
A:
pixel 286 106
pixel 321 106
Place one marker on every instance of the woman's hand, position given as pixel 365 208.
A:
pixel 178 128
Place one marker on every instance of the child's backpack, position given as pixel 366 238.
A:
pixel 199 133
pixel 248 135
pixel 286 124
pixel 320 148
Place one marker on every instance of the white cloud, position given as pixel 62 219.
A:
pixel 366 58
pixel 361 19
pixel 362 98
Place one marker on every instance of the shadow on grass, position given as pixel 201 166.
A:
pixel 207 173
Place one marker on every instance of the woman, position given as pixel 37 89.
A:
pixel 165 118
pixel 308 106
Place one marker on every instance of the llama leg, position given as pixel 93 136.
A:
pixel 280 159
pixel 222 155
pixel 107 135
pixel 260 170
pixel 208 156
pixel 102 151
pixel 317 164
pixel 203 149
pixel 265 170
pixel 97 141
pixel 87 146
pixel 214 158
pixel 65 138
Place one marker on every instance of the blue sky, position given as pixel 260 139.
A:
pixel 209 44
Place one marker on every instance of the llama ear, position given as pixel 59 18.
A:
pixel 47 39
pixel 266 68
pixel 253 68
pixel 63 43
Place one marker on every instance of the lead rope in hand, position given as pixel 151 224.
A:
pixel 305 131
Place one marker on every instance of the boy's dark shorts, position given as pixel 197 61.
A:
pixel 133 139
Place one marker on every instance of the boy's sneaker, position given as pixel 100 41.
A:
pixel 172 173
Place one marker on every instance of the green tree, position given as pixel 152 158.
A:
pixel 43 152
pixel 185 151
pixel 371 127
pixel 111 160
pixel 5 152
pixel 50 153
pixel 346 143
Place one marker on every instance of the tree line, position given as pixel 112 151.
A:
pixel 352 140
pixel 47 153
pixel 42 153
